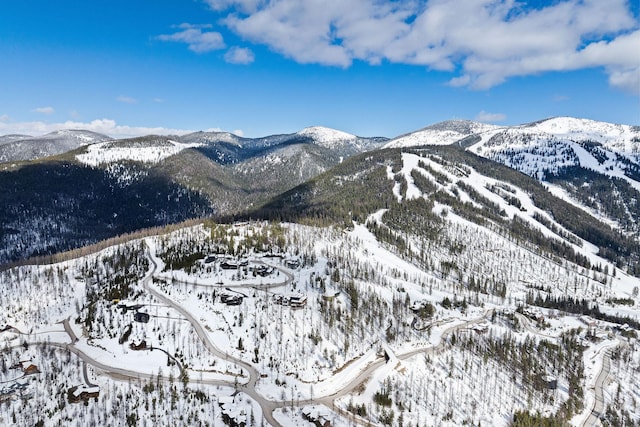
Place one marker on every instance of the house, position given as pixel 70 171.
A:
pixel 232 415
pixel 138 345
pixel 20 384
pixel 262 270
pixel 297 300
pixel 294 300
pixel 318 416
pixel 550 381
pixel 9 392
pixel 534 314
pixel 233 264
pixel 30 368
pixel 141 317
pixel 292 263
pixel 589 321
pixel 231 299
pixel 83 393
pixel 273 255
pixel 209 259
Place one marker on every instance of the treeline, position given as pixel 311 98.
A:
pixel 527 419
pixel 520 229
pixel 557 230
pixel 578 306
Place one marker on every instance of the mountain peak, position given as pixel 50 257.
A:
pixel 442 133
pixel 79 134
pixel 326 135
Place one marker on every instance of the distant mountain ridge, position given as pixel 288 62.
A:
pixel 97 187
pixel 553 144
pixel 442 133
pixel 24 148
pixel 592 165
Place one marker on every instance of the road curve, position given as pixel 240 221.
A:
pixel 599 406
pixel 356 382
pixel 249 388
pixel 267 406
pixel 287 281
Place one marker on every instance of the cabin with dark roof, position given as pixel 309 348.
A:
pixel 83 393
pixel 141 317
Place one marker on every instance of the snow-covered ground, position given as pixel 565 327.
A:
pixel 354 350
pixel 111 152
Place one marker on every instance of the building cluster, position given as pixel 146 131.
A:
pixel 17 389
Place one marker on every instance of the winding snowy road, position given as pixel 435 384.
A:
pixel 252 374
pixel 599 406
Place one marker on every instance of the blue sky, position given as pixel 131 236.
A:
pixel 258 67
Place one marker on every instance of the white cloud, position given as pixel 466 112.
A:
pixel 126 99
pixel 239 55
pixel 243 5
pixel 620 59
pixel 627 80
pixel 187 26
pixel 197 40
pixel 486 117
pixel 104 126
pixel 4 118
pixel 158 100
pixel 484 42
pixel 44 110
pixel 74 114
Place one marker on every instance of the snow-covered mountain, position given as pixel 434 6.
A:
pixel 544 148
pixel 614 137
pixel 541 147
pixel 19 148
pixel 149 149
pixel 443 133
pixel 326 136
pixel 595 165
pixel 590 164
pixel 205 172
pixel 226 148
pixel 12 138
pixel 341 143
